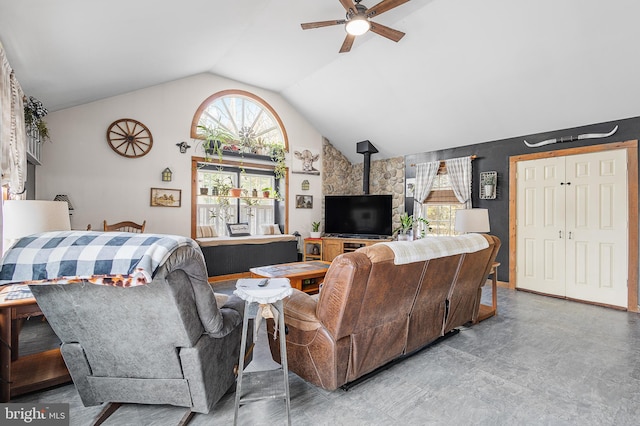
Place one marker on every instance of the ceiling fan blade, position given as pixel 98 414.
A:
pixel 384 6
pixel 319 24
pixel 387 32
pixel 348 42
pixel 348 5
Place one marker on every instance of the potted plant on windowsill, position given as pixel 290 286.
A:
pixel 315 230
pixel 405 230
pixel 213 138
pixel 222 185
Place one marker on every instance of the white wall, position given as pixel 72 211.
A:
pixel 104 185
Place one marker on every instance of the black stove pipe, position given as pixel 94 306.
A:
pixel 366 148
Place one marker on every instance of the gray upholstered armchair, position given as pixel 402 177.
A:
pixel 166 342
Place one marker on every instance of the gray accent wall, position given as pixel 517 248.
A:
pixel 494 156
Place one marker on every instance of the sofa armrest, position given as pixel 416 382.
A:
pixel 300 311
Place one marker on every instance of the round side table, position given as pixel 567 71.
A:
pixel 268 293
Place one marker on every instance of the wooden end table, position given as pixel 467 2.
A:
pixel 19 375
pixel 487 311
pixel 308 247
pixel 305 276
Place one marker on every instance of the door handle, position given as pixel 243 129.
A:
pixel 560 234
pixel 569 235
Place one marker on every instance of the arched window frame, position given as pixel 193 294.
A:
pixel 195 134
pixel 280 170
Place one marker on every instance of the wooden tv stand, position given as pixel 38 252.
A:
pixel 334 246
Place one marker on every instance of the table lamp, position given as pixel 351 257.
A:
pixel 472 220
pixel 25 217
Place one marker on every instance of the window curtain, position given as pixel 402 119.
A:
pixel 425 175
pixel 459 171
pixel 13 149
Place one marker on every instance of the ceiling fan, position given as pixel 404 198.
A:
pixel 357 21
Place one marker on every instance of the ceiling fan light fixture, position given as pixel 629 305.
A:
pixel 357 25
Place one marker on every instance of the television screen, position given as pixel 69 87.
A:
pixel 358 215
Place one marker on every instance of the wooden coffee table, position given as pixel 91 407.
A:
pixel 305 276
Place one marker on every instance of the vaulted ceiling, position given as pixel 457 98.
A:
pixel 466 72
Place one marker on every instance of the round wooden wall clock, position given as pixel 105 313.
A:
pixel 129 138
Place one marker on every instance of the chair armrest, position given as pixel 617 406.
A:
pixel 235 303
pixel 232 312
pixel 300 311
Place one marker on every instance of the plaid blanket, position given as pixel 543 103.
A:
pixel 114 258
pixel 434 247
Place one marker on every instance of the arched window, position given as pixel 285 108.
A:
pixel 252 129
pixel 252 125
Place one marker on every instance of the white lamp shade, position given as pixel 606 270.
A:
pixel 472 220
pixel 25 217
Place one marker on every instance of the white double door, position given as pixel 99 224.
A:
pixel 572 228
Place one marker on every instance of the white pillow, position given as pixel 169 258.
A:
pixel 206 231
pixel 270 229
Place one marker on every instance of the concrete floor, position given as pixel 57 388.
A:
pixel 541 361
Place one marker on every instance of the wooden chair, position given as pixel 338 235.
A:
pixel 125 226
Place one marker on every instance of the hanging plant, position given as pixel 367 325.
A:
pixel 279 157
pixel 34 112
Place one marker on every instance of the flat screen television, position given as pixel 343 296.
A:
pixel 365 216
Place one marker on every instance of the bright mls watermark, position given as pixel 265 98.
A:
pixel 34 414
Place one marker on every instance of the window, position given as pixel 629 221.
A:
pixel 217 206
pixel 441 205
pixel 251 129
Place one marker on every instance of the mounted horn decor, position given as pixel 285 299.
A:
pixel 572 138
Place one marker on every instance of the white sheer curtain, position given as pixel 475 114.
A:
pixel 425 175
pixel 459 171
pixel 13 154
pixel 18 141
pixel 5 111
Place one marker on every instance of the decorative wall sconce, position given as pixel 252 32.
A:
pixel 166 175
pixel 183 147
pixel 65 198
pixel 488 185
pixel 305 185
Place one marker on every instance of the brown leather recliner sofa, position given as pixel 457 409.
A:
pixel 372 311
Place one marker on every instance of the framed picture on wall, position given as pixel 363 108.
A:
pixel 304 201
pixel 162 197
